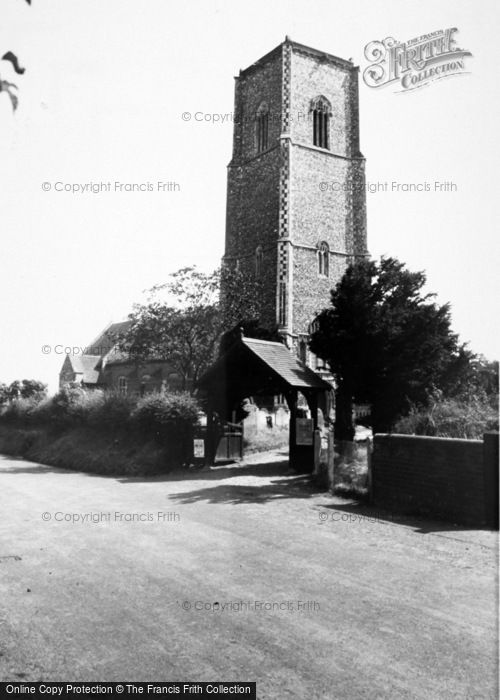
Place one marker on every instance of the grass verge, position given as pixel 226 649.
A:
pixel 85 450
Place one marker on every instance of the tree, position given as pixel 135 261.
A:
pixel 483 378
pixel 5 85
pixel 386 343
pixel 180 323
pixel 183 321
pixel 27 389
pixel 4 393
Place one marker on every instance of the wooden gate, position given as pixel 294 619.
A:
pixel 230 444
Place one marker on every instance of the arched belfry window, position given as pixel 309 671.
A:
pixel 313 327
pixel 262 127
pixel 259 256
pixel 323 259
pixel 321 112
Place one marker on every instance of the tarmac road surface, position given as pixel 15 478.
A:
pixel 239 574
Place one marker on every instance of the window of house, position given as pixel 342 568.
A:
pixel 324 259
pixel 321 112
pixel 259 255
pixel 122 385
pixel 262 127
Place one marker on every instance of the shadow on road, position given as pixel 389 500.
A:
pixel 219 472
pixel 418 523
pixel 284 485
pixel 237 494
pixel 275 467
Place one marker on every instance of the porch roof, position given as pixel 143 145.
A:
pixel 249 361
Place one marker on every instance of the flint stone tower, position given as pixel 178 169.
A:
pixel 296 204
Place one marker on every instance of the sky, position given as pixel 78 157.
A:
pixel 103 98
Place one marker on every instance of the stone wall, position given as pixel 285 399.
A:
pixel 313 75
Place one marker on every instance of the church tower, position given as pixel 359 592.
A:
pixel 296 204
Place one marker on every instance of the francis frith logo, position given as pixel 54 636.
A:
pixel 414 63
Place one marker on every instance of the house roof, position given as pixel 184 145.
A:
pixel 106 340
pixel 86 365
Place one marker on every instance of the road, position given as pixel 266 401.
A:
pixel 239 574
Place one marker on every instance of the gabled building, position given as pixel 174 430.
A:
pixel 105 366
pixel 80 369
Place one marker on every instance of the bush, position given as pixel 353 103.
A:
pixel 170 420
pixel 69 407
pixel 351 468
pixel 454 418
pixel 166 419
pixel 165 415
pixel 111 411
pixel 21 410
pixel 265 439
pixel 83 449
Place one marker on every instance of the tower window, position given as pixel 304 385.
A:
pixel 262 127
pixel 321 111
pixel 313 327
pixel 323 259
pixel 122 385
pixel 259 255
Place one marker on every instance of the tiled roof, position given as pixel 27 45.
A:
pixel 86 365
pixel 279 358
pixel 116 355
pixel 105 341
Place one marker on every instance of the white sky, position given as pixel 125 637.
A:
pixel 102 98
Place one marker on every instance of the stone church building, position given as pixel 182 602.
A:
pixel 105 366
pixel 296 204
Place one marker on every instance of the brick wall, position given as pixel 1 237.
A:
pixel 437 477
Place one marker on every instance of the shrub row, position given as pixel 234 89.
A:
pixel 454 418
pixel 168 418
